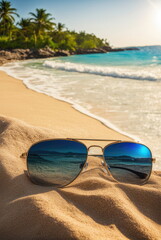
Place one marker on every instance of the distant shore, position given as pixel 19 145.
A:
pixel 23 54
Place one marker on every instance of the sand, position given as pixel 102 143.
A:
pixel 94 206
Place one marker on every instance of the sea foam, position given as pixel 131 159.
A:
pixel 116 72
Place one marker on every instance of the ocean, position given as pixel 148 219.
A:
pixel 121 89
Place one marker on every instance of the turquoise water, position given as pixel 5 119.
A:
pixel 122 89
pixel 145 56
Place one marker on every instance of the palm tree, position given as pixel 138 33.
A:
pixel 42 22
pixel 6 18
pixel 24 23
pixel 26 27
pixel 60 27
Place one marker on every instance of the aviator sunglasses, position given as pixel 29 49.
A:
pixel 57 162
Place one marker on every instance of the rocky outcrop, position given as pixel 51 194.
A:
pixel 19 54
pixel 2 61
pixel 22 54
pixel 90 51
pixel 123 49
pixel 104 49
pixel 62 53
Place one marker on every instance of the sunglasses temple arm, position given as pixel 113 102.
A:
pixel 139 174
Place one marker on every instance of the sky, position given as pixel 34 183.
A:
pixel 122 22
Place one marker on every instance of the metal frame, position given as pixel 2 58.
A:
pixel 104 164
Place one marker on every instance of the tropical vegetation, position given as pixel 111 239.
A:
pixel 39 30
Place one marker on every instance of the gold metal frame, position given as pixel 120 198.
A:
pixel 85 163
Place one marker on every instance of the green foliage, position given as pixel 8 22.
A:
pixel 6 18
pixel 49 43
pixel 87 41
pixel 64 40
pixel 88 44
pixel 40 31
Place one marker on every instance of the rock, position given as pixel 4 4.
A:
pixel 90 51
pixel 123 49
pixel 3 61
pixel 43 53
pixel 21 54
pixel 107 48
pixel 117 50
pixel 131 49
pixel 62 53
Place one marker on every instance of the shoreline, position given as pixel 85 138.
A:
pixel 82 110
pixel 25 93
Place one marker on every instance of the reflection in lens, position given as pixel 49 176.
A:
pixel 56 162
pixel 129 162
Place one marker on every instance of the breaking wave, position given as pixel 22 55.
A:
pixel 116 72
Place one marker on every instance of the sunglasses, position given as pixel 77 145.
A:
pixel 58 162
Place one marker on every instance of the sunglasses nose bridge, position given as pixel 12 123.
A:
pixel 95 146
pixel 95 150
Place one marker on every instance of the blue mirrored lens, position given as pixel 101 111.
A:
pixel 129 162
pixel 56 162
